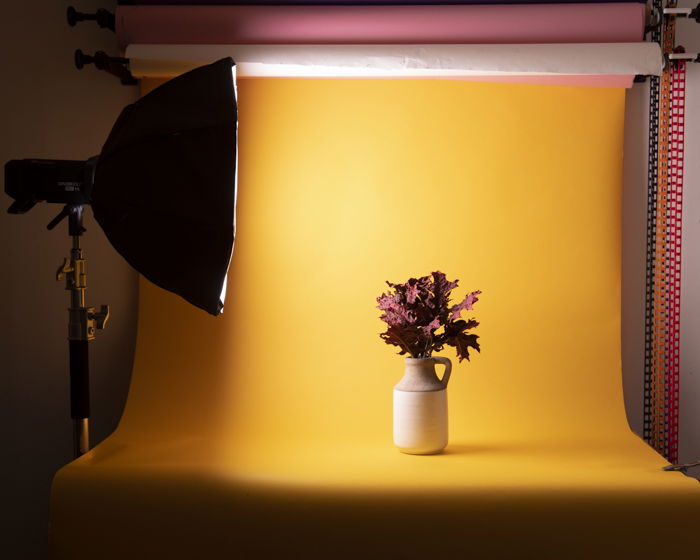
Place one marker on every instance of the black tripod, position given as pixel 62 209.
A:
pixel 82 323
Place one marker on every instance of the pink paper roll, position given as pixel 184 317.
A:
pixel 478 24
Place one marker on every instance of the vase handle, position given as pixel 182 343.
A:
pixel 448 368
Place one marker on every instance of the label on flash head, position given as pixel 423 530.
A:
pixel 69 185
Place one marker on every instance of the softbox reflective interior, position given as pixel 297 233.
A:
pixel 165 187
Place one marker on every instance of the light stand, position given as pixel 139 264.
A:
pixel 82 323
pixel 163 186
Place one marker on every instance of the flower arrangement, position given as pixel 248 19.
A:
pixel 421 320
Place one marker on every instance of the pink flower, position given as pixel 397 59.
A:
pixel 416 309
pixel 465 305
pixel 432 326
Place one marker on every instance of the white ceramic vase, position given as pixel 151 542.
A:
pixel 420 407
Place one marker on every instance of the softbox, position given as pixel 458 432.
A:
pixel 165 184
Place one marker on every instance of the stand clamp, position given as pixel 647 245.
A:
pixel 83 322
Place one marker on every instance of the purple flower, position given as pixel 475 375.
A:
pixel 465 305
pixel 416 309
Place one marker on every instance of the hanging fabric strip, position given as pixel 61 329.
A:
pixel 652 182
pixel 659 365
pixel 675 215
pixel 664 221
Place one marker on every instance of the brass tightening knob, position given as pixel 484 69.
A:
pixel 100 317
pixel 65 268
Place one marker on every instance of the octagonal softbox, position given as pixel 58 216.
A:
pixel 165 184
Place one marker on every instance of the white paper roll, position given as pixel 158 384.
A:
pixel 405 61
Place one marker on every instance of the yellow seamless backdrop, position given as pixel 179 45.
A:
pixel 512 189
pixel 269 428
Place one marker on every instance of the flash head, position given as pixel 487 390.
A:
pixel 29 181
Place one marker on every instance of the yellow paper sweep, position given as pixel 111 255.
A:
pixel 267 431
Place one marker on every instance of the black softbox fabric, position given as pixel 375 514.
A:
pixel 165 184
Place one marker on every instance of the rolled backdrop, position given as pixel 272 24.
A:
pixel 572 44
pixel 588 65
pixel 446 24
pixel 266 432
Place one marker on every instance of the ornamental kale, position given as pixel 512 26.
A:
pixel 421 321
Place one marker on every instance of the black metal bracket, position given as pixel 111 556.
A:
pixel 680 54
pixel 656 17
pixel 104 18
pixel 682 467
pixel 689 13
pixel 654 21
pixel 115 65
pixel 688 57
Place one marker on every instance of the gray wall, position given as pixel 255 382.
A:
pixel 50 110
pixel 690 289
pixel 633 255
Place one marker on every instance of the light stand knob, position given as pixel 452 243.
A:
pixel 100 317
